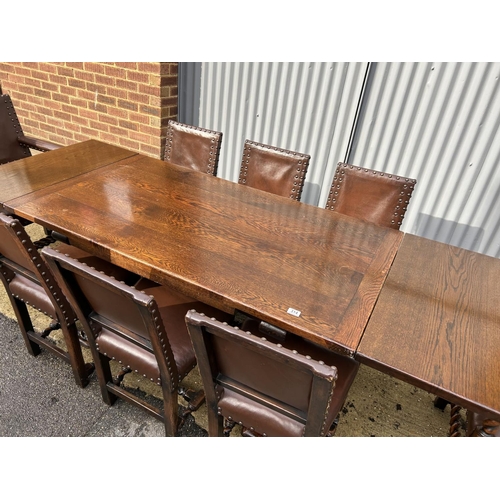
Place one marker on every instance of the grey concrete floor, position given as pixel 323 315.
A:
pixel 38 397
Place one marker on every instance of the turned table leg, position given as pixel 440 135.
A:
pixel 488 427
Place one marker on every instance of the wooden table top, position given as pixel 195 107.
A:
pixel 27 175
pixel 437 324
pixel 229 245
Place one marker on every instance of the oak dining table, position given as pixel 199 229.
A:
pixel 33 173
pixel 436 324
pixel 422 311
pixel 301 268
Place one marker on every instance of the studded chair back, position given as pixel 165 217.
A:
pixel 10 129
pixel 14 145
pixel 193 147
pixel 376 197
pixel 28 281
pixel 267 388
pixel 274 170
pixel 141 327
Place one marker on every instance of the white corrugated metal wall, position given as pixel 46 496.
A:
pixel 436 122
pixel 304 107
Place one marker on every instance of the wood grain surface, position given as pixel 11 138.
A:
pixel 229 245
pixel 47 169
pixel 437 324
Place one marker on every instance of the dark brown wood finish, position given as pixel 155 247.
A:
pixel 226 245
pixel 268 388
pixel 436 324
pixel 34 173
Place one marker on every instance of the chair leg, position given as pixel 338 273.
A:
pixel 194 399
pixel 215 420
pixel 104 376
pixel 120 376
pixel 228 427
pixel 170 409
pixel 81 371
pixel 333 428
pixel 73 356
pixel 455 424
pixel 25 324
pixel 455 418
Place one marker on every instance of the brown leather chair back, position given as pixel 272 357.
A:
pixel 260 384
pixel 14 145
pixel 193 147
pixel 20 258
pixel 274 170
pixel 376 197
pixel 28 281
pixel 104 303
pixel 10 129
pixel 11 249
pixel 129 325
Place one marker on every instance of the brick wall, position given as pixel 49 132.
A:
pixel 127 104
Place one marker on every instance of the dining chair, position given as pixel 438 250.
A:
pixel 142 327
pixel 274 170
pixel 373 196
pixel 29 282
pixel 193 147
pixel 14 145
pixel 268 388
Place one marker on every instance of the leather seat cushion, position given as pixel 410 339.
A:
pixel 33 294
pixel 347 368
pixel 261 418
pixel 173 307
pixel 267 421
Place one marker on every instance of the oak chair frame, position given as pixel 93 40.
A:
pixel 204 330
pixel 155 340
pixel 42 280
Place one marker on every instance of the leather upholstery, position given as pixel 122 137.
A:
pixel 10 129
pixel 14 145
pixel 193 147
pixel 274 170
pixel 373 196
pixel 31 293
pixel 262 419
pixel 28 281
pixel 266 386
pixel 347 368
pixel 10 247
pixel 19 256
pixel 141 327
pixel 27 287
pixel 141 358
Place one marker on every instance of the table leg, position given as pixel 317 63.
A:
pixel 455 423
pixel 480 427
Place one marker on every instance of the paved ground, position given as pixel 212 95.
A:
pixel 38 397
